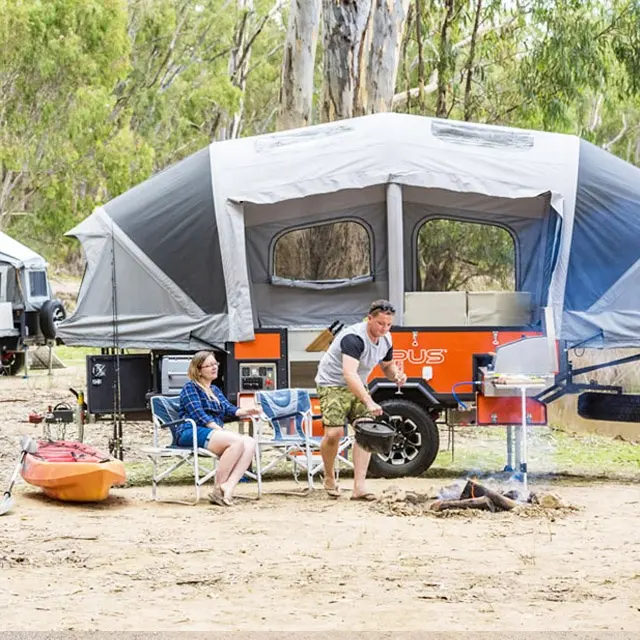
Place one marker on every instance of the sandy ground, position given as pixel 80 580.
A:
pixel 293 563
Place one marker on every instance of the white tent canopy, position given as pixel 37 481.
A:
pixel 197 235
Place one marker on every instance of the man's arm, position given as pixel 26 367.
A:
pixel 354 384
pixel 390 369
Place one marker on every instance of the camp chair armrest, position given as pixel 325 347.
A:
pixel 175 423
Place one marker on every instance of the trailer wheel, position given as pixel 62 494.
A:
pixel 11 362
pixel 414 448
pixel 618 407
pixel 51 314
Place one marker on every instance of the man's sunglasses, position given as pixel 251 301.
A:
pixel 385 308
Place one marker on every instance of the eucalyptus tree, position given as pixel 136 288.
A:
pixel 59 149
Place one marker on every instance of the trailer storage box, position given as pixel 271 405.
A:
pixel 435 309
pixel 173 374
pixel 498 308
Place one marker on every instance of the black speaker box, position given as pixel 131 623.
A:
pixel 135 382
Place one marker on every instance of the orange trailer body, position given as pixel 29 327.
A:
pixel 447 355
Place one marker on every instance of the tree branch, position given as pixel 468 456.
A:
pixel 401 98
pixel 607 145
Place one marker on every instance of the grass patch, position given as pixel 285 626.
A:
pixel 553 455
pixel 551 451
pixel 139 475
pixel 74 356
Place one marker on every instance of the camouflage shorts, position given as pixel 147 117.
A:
pixel 338 405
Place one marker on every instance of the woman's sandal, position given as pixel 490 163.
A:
pixel 333 492
pixel 217 497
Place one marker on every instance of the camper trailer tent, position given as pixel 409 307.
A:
pixel 186 261
pixel 28 315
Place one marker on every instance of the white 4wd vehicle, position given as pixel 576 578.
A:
pixel 28 313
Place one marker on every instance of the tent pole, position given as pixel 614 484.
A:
pixel 395 251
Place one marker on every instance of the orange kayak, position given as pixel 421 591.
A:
pixel 72 471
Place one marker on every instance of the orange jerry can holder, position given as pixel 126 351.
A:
pixel 507 410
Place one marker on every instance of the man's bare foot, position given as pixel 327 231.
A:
pixel 332 488
pixel 366 497
pixel 362 494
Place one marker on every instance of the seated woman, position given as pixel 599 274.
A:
pixel 207 406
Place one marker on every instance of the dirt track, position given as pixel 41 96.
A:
pixel 306 563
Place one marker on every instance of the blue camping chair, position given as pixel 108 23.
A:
pixel 165 413
pixel 288 414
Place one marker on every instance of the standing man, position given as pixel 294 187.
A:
pixel 342 389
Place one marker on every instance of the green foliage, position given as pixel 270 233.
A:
pixel 456 255
pixel 99 94
pixel 96 95
pixel 58 63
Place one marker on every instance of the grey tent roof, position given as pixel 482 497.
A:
pixel 177 243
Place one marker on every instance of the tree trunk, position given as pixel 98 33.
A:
pixel 444 62
pixel 344 25
pixel 468 98
pixel 403 57
pixel 381 48
pixel 361 49
pixel 238 66
pixel 420 56
pixel 296 90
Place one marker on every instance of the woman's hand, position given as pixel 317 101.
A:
pixel 247 412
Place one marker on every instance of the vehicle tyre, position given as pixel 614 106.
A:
pixel 414 448
pixel 11 362
pixel 51 314
pixel 618 407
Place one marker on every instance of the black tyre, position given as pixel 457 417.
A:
pixel 11 362
pixel 414 448
pixel 617 407
pixel 51 314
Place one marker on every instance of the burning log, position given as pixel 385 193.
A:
pixel 474 490
pixel 483 503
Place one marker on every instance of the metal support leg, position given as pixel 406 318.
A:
pixel 26 362
pixel 453 442
pixel 50 345
pixel 523 460
pixel 509 466
pixel 518 448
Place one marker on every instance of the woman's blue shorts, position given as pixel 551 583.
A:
pixel 185 437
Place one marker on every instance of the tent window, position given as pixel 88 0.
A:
pixel 453 255
pixel 333 254
pixel 37 283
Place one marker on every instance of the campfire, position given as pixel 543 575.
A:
pixel 477 496
pixel 470 497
